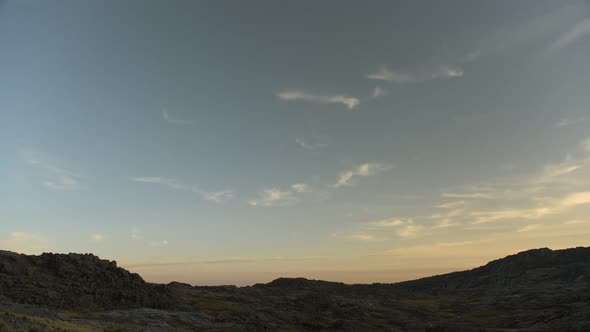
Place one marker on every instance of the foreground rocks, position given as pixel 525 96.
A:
pixel 536 290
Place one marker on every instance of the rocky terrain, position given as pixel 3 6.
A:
pixel 535 290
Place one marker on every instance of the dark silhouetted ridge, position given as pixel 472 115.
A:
pixel 75 281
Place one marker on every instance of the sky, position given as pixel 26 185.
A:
pixel 232 142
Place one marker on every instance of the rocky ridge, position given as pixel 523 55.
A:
pixel 535 290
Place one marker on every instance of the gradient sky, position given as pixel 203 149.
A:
pixel 233 142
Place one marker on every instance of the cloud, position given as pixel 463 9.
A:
pixel 158 244
pixel 466 195
pixel 577 222
pixel 386 223
pixel 57 176
pixel 405 228
pixel 573 200
pixel 445 223
pixel 561 188
pixel 135 234
pixel 97 237
pixel 378 92
pixel 550 207
pixel 165 182
pixel 357 237
pixel 174 120
pixel 312 144
pixel 63 182
pixel 530 31
pixel 528 228
pixel 220 196
pixel 410 230
pixel 580 30
pixel 368 169
pixel 301 188
pixel 442 71
pixel 557 170
pixel 273 197
pixel 349 102
pixel 563 123
pixel 451 205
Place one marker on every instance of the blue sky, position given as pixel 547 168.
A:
pixel 229 142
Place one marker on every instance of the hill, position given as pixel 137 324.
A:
pixel 535 290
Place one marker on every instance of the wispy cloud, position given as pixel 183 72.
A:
pixel 97 237
pixel 174 120
pixel 368 169
pixel 301 188
pixel 378 92
pixel 410 230
pixel 273 197
pixel 577 222
pixel 578 31
pixel 528 228
pixel 402 227
pixel 556 170
pixel 563 123
pixel 386 223
pixel 559 188
pixel 289 95
pixel 357 237
pixel 551 206
pixel 451 205
pixel 526 32
pixel 442 71
pixel 467 195
pixel 536 199
pixel 57 176
pixel 158 244
pixel 310 144
pixel 165 182
pixel 135 234
pixel 219 196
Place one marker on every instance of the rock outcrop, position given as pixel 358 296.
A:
pixel 75 281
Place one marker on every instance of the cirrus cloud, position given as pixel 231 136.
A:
pixel 291 95
pixel 368 169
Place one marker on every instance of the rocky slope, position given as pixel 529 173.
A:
pixel 535 290
pixel 75 281
pixel 532 267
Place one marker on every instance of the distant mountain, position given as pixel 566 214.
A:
pixel 535 290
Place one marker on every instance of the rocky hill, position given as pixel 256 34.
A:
pixel 75 281
pixel 522 270
pixel 535 290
